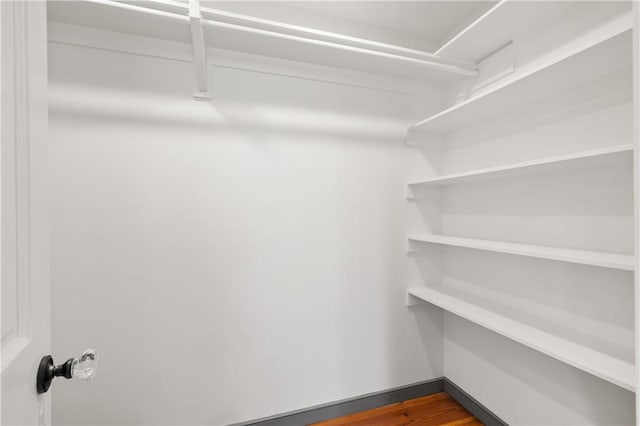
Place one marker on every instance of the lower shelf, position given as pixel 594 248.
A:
pixel 606 367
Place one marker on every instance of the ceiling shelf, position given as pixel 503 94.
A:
pixel 606 367
pixel 586 160
pixel 599 53
pixel 593 258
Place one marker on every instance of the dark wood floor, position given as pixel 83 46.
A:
pixel 434 410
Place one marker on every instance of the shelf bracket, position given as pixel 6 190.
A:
pixel 412 194
pixel 408 140
pixel 199 52
pixel 412 301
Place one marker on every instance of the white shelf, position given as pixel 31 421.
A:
pixel 603 157
pixel 496 27
pixel 593 258
pixel 248 34
pixel 597 54
pixel 606 367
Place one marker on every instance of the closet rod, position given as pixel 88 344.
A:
pixel 446 67
pixel 266 24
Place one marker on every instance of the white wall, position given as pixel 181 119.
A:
pixel 228 260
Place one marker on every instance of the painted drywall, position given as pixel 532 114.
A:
pixel 230 259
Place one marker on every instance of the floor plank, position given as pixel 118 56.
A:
pixel 434 410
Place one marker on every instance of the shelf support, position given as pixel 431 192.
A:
pixel 412 301
pixel 199 52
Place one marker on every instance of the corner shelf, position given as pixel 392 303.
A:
pixel 583 257
pixel 598 53
pixel 602 157
pixel 592 70
pixel 606 367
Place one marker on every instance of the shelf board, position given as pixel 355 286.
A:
pixel 496 28
pixel 593 258
pixel 606 367
pixel 599 53
pixel 602 157
pixel 248 34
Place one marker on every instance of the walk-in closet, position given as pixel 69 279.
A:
pixel 286 213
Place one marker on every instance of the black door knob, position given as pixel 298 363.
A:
pixel 83 368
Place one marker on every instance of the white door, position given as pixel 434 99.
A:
pixel 24 231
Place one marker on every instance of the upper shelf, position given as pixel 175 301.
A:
pixel 598 53
pixel 496 28
pixel 602 157
pixel 601 365
pixel 225 30
pixel 584 257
